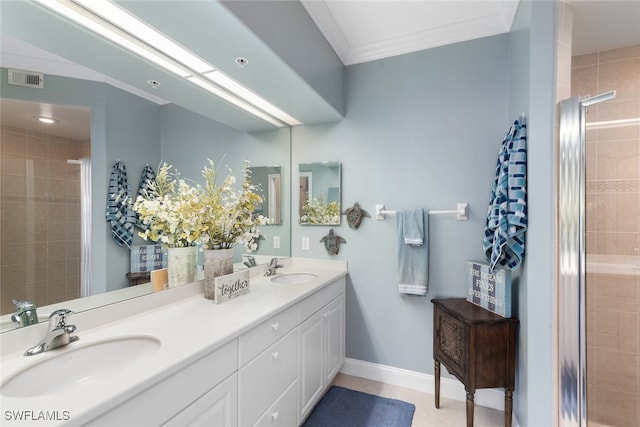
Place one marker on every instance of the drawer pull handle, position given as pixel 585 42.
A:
pixel 274 416
pixel 275 355
pixel 275 326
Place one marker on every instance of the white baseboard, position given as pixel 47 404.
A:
pixel 449 388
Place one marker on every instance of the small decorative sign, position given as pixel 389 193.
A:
pixel 230 286
pixel 148 258
pixel 489 289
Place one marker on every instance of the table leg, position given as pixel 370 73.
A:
pixel 436 374
pixel 470 408
pixel 508 407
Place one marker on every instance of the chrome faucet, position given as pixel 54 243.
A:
pixel 25 314
pixel 273 266
pixel 58 335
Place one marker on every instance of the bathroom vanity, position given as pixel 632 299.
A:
pixel 265 358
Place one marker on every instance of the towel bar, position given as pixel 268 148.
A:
pixel 462 212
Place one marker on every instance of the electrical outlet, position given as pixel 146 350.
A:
pixel 276 242
pixel 305 243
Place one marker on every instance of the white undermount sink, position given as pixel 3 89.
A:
pixel 77 365
pixel 293 278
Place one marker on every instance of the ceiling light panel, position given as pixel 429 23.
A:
pixel 249 96
pixel 83 18
pixel 129 23
pixel 234 100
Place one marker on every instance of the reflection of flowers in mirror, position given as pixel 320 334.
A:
pixel 218 216
pixel 316 211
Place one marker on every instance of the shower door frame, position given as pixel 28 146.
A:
pixel 571 261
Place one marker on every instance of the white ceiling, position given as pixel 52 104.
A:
pixel 361 31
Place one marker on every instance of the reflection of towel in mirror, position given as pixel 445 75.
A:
pixel 504 233
pixel 413 261
pixel 147 177
pixel 119 213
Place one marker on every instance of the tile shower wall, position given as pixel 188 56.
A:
pixel 40 217
pixel 612 172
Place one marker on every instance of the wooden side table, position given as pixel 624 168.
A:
pixel 476 346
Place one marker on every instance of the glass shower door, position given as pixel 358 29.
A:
pixel 612 265
pixel 599 263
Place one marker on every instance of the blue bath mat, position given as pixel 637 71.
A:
pixel 341 407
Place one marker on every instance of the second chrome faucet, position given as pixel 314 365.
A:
pixel 58 333
pixel 273 266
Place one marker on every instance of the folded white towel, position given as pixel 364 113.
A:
pixel 413 261
pixel 413 230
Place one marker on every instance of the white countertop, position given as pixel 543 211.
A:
pixel 188 329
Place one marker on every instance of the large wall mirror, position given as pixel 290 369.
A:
pixel 41 218
pixel 319 186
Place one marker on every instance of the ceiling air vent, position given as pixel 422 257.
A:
pixel 26 78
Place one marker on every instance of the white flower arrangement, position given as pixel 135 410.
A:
pixel 315 211
pixel 180 215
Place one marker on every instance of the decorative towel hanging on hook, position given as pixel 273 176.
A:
pixel 506 224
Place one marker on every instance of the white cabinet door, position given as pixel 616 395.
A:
pixel 218 407
pixel 322 352
pixel 335 339
pixel 311 373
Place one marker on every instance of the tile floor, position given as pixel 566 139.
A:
pixel 451 413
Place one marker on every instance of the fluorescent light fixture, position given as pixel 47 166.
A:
pixel 234 100
pixel 80 16
pixel 123 19
pixel 246 94
pixel 119 26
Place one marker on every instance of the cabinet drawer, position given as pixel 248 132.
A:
pixel 262 336
pixel 165 399
pixel 218 407
pixel 265 377
pixel 283 413
pixel 324 296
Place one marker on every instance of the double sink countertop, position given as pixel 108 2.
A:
pixel 178 332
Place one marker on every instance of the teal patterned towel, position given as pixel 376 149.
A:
pixel 147 177
pixel 504 233
pixel 119 213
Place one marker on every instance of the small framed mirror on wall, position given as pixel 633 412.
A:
pixel 320 188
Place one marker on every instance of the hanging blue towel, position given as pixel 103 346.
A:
pixel 412 261
pixel 413 227
pixel 144 187
pixel 504 233
pixel 119 213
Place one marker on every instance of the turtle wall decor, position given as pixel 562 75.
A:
pixel 355 214
pixel 332 242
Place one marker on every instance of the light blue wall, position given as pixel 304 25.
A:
pixel 132 132
pixel 421 130
pixel 532 89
